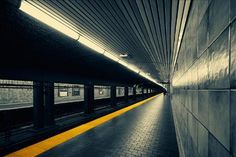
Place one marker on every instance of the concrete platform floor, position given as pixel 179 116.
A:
pixel 147 130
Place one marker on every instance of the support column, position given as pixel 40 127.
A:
pixel 38 107
pixel 142 91
pixel 113 95
pixel 148 94
pixel 134 92
pixel 126 93
pixel 49 103
pixel 88 98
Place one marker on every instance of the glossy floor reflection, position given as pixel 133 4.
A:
pixel 147 130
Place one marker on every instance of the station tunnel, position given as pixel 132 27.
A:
pixel 109 78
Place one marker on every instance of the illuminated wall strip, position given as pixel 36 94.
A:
pixel 54 23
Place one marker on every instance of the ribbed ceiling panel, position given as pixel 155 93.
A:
pixel 147 30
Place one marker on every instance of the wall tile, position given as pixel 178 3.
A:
pixel 233 56
pixel 202 32
pixel 195 103
pixel 202 141
pixel 193 35
pixel 203 71
pixel 203 107
pixel 192 128
pixel 219 62
pixel 216 149
pixel 233 8
pixel 188 100
pixel 233 121
pixel 202 7
pixel 219 119
pixel 217 22
pixel 192 149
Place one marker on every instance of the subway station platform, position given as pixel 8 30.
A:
pixel 142 129
pixel 77 78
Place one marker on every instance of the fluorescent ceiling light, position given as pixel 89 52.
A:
pixel 133 68
pixel 123 63
pixel 111 56
pixel 143 74
pixel 90 44
pixel 45 18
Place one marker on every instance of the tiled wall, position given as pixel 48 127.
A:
pixel 15 92
pixel 204 81
pixel 120 91
pixel 101 92
pixel 69 88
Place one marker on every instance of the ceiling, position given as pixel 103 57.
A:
pixel 31 50
pixel 149 31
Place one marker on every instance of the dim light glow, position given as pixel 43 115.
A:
pixel 48 20
pixel 111 56
pixel 90 44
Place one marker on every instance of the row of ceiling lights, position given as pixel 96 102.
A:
pixel 61 27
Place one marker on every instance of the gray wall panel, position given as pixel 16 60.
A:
pixel 203 96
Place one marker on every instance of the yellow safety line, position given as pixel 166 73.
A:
pixel 40 147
